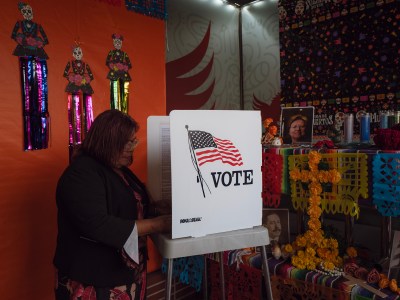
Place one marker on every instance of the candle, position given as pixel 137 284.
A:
pixel 396 117
pixel 348 128
pixel 384 120
pixel 365 128
pixel 391 119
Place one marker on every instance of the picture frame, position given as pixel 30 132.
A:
pixel 270 218
pixel 297 125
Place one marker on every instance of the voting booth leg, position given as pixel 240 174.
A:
pixel 266 273
pixel 221 275
pixel 205 281
pixel 168 283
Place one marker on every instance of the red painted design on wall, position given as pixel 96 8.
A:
pixel 180 86
pixel 268 110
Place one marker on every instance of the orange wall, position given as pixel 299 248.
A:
pixel 28 179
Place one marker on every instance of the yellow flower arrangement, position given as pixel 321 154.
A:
pixel 312 248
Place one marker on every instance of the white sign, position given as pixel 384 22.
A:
pixel 216 159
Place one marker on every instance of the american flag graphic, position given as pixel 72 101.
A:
pixel 208 148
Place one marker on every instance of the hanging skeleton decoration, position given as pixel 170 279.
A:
pixel 119 63
pixel 31 39
pixel 80 109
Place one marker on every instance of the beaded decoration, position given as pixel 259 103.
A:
pixel 324 271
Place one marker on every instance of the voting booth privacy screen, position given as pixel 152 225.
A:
pixel 215 164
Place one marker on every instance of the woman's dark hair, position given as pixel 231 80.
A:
pixel 107 136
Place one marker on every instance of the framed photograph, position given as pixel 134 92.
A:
pixel 297 125
pixel 277 222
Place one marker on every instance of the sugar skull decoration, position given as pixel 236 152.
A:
pixel 78 73
pixel 26 11
pixel 79 91
pixel 77 53
pixel 30 36
pixel 339 120
pixel 299 9
pixel 118 63
pixel 31 39
pixel 282 13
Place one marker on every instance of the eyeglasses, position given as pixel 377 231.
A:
pixel 131 145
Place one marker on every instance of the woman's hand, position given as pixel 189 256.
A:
pixel 161 224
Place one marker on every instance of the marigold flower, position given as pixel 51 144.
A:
pixel 334 176
pixel 305 176
pixel 314 224
pixel 301 241
pixel 333 243
pixel 315 188
pixel 321 252
pixel 314 212
pixel 314 157
pixel 393 285
pixel 383 283
pixel 300 253
pixel 295 174
pixel 310 251
pixel 351 252
pixel 323 176
pixel 314 200
pixel 329 265
pixel 288 248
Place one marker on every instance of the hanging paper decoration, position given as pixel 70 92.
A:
pixel 340 198
pixel 386 183
pixel 271 179
pixel 243 283
pixel 188 269
pixel 119 63
pixel 31 39
pixel 80 109
pixel 151 8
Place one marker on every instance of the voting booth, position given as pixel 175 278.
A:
pixel 208 164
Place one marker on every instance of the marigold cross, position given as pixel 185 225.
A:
pixel 312 248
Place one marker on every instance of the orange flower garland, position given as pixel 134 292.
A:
pixel 312 248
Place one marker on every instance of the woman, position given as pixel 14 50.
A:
pixel 102 216
pixel 296 130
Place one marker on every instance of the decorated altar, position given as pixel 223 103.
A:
pixel 309 269
pixel 369 178
pixel 315 265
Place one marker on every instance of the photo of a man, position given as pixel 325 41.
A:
pixel 274 226
pixel 277 223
